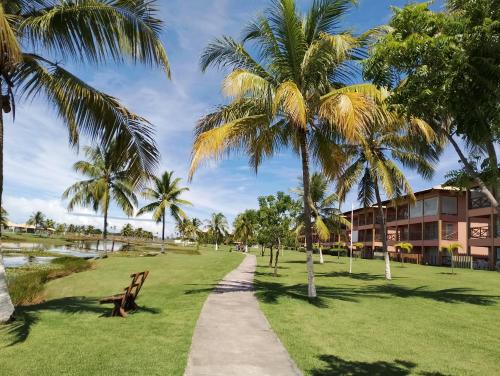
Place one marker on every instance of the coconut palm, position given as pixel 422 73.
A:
pixel 4 217
pixel 37 219
pixel 164 195
pixel 450 249
pixel 218 226
pixel 387 142
pixel 109 179
pixel 324 209
pixel 39 36
pixel 291 93
pixel 245 226
pixel 404 247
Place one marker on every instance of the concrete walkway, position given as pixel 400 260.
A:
pixel 232 336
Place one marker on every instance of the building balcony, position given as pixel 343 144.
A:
pixel 479 232
pixel 479 202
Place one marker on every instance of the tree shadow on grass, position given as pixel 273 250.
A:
pixel 452 295
pixel 27 316
pixel 338 366
pixel 357 276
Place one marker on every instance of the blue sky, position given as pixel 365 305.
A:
pixel 38 161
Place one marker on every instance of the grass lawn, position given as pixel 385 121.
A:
pixel 425 322
pixel 67 335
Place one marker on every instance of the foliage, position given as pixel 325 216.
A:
pixel 109 179
pixel 37 219
pixel 4 217
pixel 218 227
pixel 28 288
pixel 245 226
pixel 163 196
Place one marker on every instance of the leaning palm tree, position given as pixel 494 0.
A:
pixel 39 36
pixel 37 219
pixel 245 226
pixel 165 196
pixel 218 226
pixel 291 94
pixel 450 249
pixel 109 179
pixel 324 209
pixel 387 142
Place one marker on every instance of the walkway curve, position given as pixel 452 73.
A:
pixel 232 335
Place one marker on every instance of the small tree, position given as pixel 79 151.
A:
pixel 37 219
pixel 450 248
pixel 404 247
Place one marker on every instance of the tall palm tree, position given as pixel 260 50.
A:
pixel 245 226
pixel 109 178
pixel 324 208
pixel 37 219
pixel 164 195
pixel 291 93
pixel 218 226
pixel 39 36
pixel 388 140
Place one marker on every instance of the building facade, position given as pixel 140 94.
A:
pixel 438 217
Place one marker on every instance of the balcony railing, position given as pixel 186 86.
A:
pixel 391 237
pixel 450 236
pixel 482 232
pixel 479 202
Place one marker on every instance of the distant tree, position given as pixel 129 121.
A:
pixel 49 223
pixel 244 227
pixel 37 219
pixel 218 227
pixel 165 196
pixel 61 228
pixel 127 230
pixel 110 178
pixel 450 249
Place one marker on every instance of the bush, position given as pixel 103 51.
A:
pixel 28 288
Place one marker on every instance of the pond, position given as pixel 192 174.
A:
pixel 81 249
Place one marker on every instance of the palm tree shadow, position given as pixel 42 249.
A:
pixel 26 317
pixel 357 276
pixel 338 366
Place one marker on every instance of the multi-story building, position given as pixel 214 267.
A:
pixel 439 216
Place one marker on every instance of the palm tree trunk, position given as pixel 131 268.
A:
pixel 470 171
pixel 163 227
pixel 321 261
pixel 6 306
pixel 311 287
pixel 383 232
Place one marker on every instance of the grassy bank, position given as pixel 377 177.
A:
pixel 70 334
pixel 425 322
pixel 27 285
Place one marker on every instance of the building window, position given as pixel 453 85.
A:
pixel 449 205
pixel 431 231
pixel 449 231
pixel 416 209
pixel 431 206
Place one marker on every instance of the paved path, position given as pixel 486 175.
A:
pixel 232 336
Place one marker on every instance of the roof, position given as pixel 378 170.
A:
pixel 23 225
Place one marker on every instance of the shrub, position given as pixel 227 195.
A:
pixel 28 288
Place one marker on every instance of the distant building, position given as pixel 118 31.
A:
pixel 23 228
pixel 440 216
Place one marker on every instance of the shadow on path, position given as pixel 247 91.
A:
pixel 27 316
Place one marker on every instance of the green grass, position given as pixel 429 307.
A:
pixel 33 238
pixel 69 334
pixel 425 322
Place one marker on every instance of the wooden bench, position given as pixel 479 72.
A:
pixel 126 301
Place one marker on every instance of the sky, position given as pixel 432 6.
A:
pixel 38 159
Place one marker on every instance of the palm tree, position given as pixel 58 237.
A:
pixel 109 178
pixel 245 226
pixel 292 94
pixel 165 195
pixel 326 215
pixel 218 226
pixel 37 219
pixel 450 249
pixel 4 217
pixel 404 247
pixel 388 138
pixel 79 32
